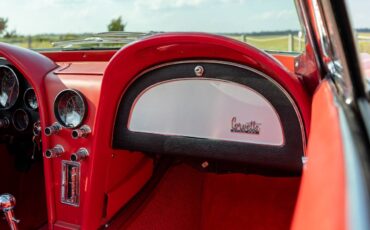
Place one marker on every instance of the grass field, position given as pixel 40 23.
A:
pixel 364 45
pixel 274 43
pixel 41 41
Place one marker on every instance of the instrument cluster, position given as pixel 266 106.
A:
pixel 18 103
pixel 70 108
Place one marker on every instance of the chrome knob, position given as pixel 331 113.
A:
pixel 57 151
pixel 7 204
pixel 4 123
pixel 53 129
pixel 84 131
pixel 81 154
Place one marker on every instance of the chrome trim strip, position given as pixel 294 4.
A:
pixel 75 200
pixel 357 197
pixel 303 15
pixel 304 141
pixel 331 48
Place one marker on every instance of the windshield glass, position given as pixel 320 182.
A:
pixel 40 24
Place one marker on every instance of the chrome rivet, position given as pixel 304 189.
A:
pixel 205 164
pixel 199 71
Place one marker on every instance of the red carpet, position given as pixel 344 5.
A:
pixel 188 199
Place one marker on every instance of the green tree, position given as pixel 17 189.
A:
pixel 3 24
pixel 10 34
pixel 116 25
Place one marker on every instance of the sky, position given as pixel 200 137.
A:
pixel 30 17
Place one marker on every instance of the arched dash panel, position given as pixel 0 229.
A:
pixel 227 112
pixel 206 108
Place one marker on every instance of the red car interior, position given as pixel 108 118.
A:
pixel 131 181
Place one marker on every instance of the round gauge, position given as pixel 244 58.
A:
pixel 70 108
pixel 30 100
pixel 9 87
pixel 20 120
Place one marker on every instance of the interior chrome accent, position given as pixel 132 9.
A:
pixel 191 107
pixel 36 128
pixel 53 129
pixel 30 100
pixel 356 186
pixel 81 154
pixel 199 71
pixel 205 164
pixel 4 123
pixel 21 120
pixel 70 108
pixel 7 204
pixel 84 131
pixel 70 190
pixel 330 46
pixel 9 90
pixel 57 151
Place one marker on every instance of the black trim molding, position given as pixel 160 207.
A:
pixel 284 159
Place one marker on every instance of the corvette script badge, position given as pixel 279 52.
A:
pixel 251 127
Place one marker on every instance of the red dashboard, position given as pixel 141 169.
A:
pixel 110 176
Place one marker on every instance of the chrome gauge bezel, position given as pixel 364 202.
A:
pixel 15 120
pixel 56 110
pixel 25 99
pixel 18 85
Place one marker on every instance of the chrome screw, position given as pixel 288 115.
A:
pixel 199 71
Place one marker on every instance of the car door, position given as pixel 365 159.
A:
pixel 335 185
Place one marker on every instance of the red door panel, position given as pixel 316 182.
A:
pixel 321 201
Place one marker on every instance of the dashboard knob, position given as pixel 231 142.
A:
pixel 7 204
pixel 57 151
pixel 4 123
pixel 81 154
pixel 84 131
pixel 53 129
